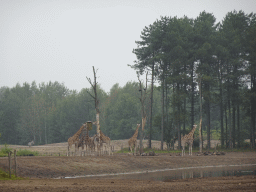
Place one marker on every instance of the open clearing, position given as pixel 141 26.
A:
pixel 41 169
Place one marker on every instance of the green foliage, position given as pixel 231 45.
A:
pixel 25 152
pixel 5 150
pixel 177 51
pixel 5 176
pixel 21 152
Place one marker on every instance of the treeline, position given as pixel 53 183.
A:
pixel 185 56
pixel 219 59
pixel 51 113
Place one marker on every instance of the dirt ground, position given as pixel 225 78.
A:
pixel 46 173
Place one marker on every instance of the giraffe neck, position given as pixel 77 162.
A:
pixel 136 132
pixel 190 135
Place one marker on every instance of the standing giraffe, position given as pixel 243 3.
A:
pixel 133 140
pixel 81 141
pixel 88 141
pixel 75 138
pixel 103 139
pixel 189 138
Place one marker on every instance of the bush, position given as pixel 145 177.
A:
pixel 5 150
pixel 22 152
pixel 5 176
pixel 25 152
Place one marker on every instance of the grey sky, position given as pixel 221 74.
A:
pixel 60 40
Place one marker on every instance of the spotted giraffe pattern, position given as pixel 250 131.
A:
pixel 189 138
pixel 133 140
pixel 75 138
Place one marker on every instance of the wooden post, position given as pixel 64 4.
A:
pixel 15 161
pixel 10 164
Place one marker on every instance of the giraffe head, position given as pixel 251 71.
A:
pixel 193 129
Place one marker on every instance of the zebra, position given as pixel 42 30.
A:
pixel 31 143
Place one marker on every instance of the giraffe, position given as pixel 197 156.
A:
pixel 189 138
pixel 75 138
pixel 103 139
pixel 88 141
pixel 133 140
pixel 81 141
pixel 91 144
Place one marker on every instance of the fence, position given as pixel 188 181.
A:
pixel 10 163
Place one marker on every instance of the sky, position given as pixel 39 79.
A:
pixel 60 40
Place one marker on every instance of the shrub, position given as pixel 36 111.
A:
pixel 5 176
pixel 5 150
pixel 25 152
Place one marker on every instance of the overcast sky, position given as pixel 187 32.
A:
pixel 60 40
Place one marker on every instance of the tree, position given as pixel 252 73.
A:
pixel 143 92
pixel 251 70
pixel 205 30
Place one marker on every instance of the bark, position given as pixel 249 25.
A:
pixel 229 125
pixel 208 117
pixel 201 118
pixel 226 121
pixel 143 92
pixel 192 96
pixel 96 102
pixel 234 125
pixel 151 108
pixel 162 122
pixel 178 117
pixel 238 127
pixel 221 110
pixel 253 110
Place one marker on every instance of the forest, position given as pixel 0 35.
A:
pixel 205 70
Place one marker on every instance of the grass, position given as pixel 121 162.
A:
pixel 25 152
pixel 22 152
pixel 195 149
pixel 147 150
pixel 5 176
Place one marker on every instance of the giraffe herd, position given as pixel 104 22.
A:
pixel 82 139
pixel 97 142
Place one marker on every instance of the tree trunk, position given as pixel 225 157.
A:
pixel 162 122
pixel 151 108
pixel 238 127
pixel 208 117
pixel 234 125
pixel 201 118
pixel 221 110
pixel 226 121
pixel 178 117
pixel 253 110
pixel 229 125
pixel 192 96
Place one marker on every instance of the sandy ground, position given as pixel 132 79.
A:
pixel 42 172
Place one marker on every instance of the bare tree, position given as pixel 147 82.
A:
pixel 143 94
pixel 96 101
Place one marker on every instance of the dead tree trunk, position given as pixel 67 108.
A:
pixel 96 101
pixel 143 113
